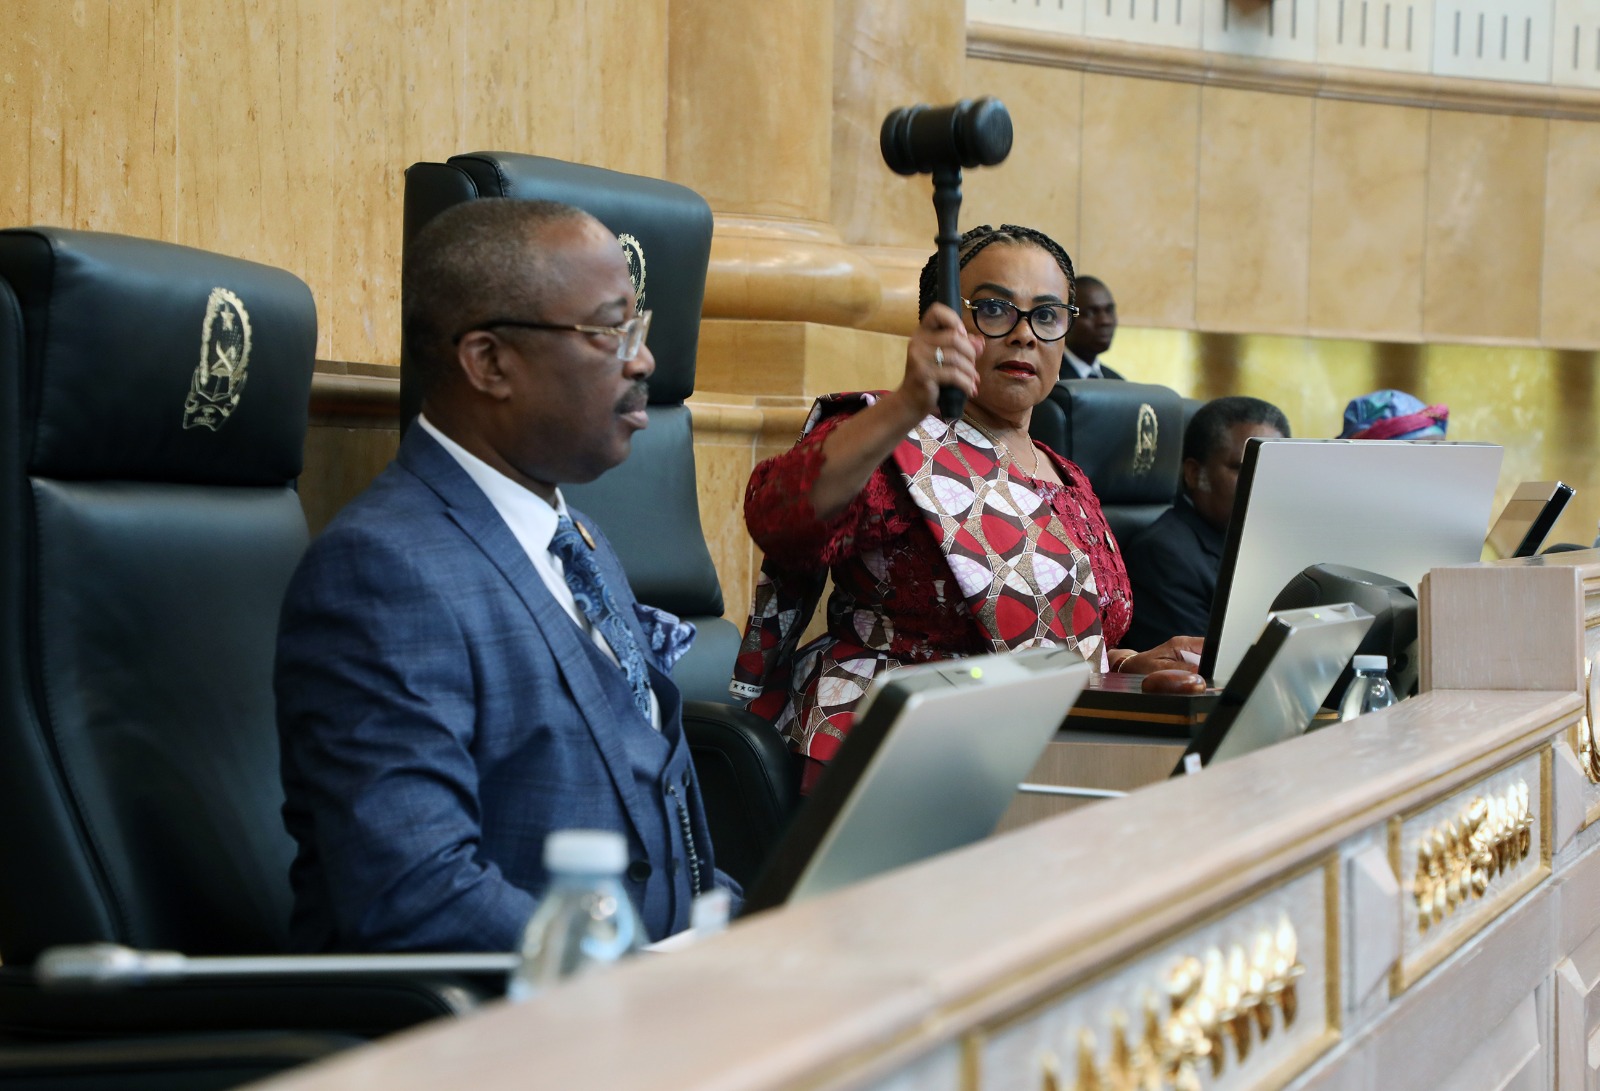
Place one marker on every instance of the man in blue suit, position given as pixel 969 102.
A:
pixel 462 667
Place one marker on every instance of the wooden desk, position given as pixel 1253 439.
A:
pixel 1024 961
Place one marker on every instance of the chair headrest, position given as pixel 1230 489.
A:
pixel 665 230
pixel 149 361
pixel 1127 437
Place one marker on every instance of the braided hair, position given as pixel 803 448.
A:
pixel 973 241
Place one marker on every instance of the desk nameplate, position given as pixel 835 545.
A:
pixel 1246 1000
pixel 1466 858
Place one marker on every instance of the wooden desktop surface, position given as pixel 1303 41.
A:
pixel 1015 962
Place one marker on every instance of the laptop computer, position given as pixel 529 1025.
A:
pixel 931 763
pixel 1527 519
pixel 1390 507
pixel 1280 682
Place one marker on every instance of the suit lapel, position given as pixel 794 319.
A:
pixel 476 516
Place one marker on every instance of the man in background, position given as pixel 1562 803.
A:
pixel 1091 333
pixel 1172 563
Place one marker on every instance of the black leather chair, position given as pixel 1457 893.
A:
pixel 1128 439
pixel 649 506
pixel 152 418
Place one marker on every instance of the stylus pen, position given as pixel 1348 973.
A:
pixel 108 964
pixel 1062 790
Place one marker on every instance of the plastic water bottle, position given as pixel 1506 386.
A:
pixel 1369 689
pixel 585 919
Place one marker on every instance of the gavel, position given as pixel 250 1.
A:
pixel 940 140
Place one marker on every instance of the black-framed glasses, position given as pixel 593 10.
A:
pixel 998 317
pixel 630 335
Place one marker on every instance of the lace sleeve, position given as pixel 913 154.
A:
pixel 779 515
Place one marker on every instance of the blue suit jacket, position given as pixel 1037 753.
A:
pixel 439 713
pixel 1172 568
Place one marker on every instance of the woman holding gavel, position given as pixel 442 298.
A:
pixel 944 539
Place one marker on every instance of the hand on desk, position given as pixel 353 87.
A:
pixel 1169 667
pixel 1173 682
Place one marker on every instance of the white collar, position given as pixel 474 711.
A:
pixel 531 518
pixel 1084 370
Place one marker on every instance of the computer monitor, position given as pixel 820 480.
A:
pixel 1526 520
pixel 931 763
pixel 1388 506
pixel 1280 683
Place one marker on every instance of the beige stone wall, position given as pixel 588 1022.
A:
pixel 1306 234
pixel 280 130
pixel 1274 229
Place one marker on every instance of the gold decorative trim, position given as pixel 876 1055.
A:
pixel 1407 972
pixel 1588 746
pixel 1213 1001
pixel 1201 1005
pixel 1104 56
pixel 1458 856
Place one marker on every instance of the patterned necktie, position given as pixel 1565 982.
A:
pixel 589 590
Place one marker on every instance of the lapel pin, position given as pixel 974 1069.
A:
pixel 583 530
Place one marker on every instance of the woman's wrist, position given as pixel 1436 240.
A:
pixel 1119 661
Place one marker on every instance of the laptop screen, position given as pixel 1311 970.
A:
pixel 931 763
pixel 1527 518
pixel 1390 507
pixel 1281 681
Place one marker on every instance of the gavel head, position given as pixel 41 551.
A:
pixel 922 139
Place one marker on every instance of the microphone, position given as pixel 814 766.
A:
pixel 940 140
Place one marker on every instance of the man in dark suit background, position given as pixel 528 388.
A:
pixel 462 667
pixel 1172 563
pixel 1091 333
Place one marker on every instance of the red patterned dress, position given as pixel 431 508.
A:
pixel 949 550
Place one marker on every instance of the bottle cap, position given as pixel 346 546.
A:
pixel 1370 663
pixel 597 852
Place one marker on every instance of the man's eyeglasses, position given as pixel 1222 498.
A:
pixel 998 317
pixel 630 335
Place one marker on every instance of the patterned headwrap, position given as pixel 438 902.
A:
pixel 1393 414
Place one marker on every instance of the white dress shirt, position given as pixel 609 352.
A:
pixel 1083 370
pixel 532 522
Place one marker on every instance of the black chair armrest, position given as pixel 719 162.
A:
pixel 207 1063
pixel 748 779
pixel 360 1005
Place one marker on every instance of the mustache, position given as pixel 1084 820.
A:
pixel 636 398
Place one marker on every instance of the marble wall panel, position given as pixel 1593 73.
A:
pixel 1037 185
pixel 254 82
pixel 1252 256
pixel 873 73
pixel 1568 314
pixel 1486 202
pixel 750 118
pixel 1140 173
pixel 1368 210
pixel 279 130
pixel 87 117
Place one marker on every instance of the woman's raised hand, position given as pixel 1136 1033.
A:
pixel 941 353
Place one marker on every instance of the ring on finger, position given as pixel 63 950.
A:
pixel 938 356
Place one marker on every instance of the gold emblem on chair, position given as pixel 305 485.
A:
pixel 633 250
pixel 224 360
pixel 1144 441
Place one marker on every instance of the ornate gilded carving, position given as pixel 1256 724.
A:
pixel 1211 1000
pixel 1588 745
pixel 1458 857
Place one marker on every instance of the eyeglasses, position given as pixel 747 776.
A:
pixel 630 335
pixel 998 317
